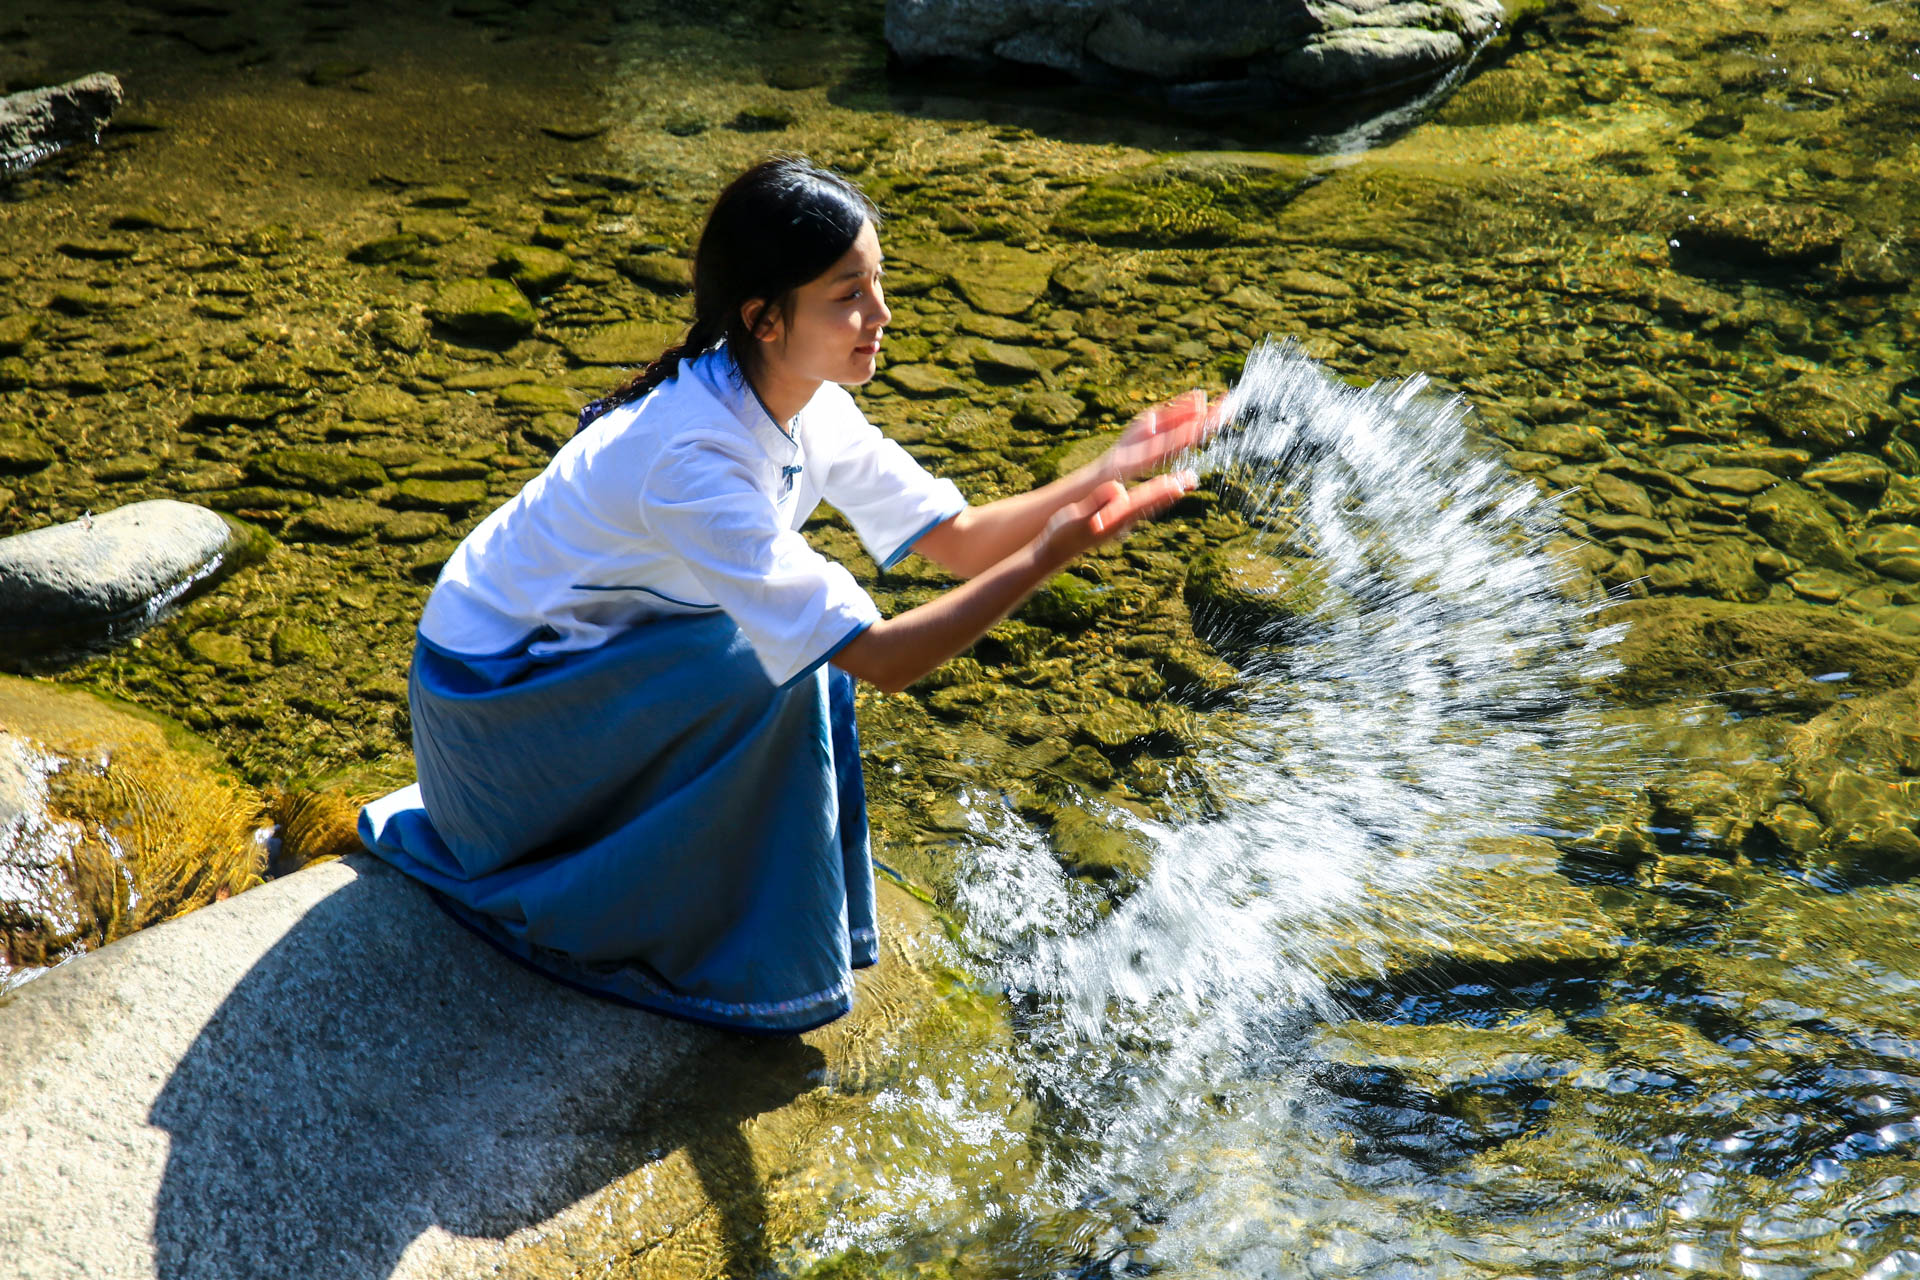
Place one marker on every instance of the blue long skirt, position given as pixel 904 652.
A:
pixel 651 820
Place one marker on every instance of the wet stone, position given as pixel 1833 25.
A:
pixel 1740 480
pixel 1892 549
pixel 457 496
pixel 661 272
pixel 315 470
pixel 538 397
pixel 385 249
pixel 339 520
pixel 1575 444
pixel 533 269
pixel 218 649
pixel 1850 470
pixel 1621 495
pixel 1053 409
pixel 1200 199
pixel 923 380
pixel 1795 521
pixel 22 453
pixel 1822 586
pixel 997 279
pixel 1244 583
pixel 378 402
pixel 998 362
pixel 413 526
pixel 628 343
pixel 445 196
pixel 16 331
pixel 1820 412
pixel 489 311
pixel 1783 236
pixel 1311 283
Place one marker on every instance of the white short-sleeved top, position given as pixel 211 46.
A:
pixel 690 500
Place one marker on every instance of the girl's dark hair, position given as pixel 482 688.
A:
pixel 776 226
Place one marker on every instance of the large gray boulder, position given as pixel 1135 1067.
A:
pixel 326 1077
pixel 108 575
pixel 1274 51
pixel 39 122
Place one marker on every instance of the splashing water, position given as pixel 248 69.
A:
pixel 1421 695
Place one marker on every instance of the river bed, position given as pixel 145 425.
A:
pixel 1662 1026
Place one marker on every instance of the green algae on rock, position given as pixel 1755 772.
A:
pixel 486 310
pixel 1210 198
pixel 121 821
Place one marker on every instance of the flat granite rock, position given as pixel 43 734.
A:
pixel 327 1077
pixel 109 573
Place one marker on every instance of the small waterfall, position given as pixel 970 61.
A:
pixel 1427 694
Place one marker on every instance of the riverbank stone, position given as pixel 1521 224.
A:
pixel 333 1078
pixel 1205 56
pixel 106 576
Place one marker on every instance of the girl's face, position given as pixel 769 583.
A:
pixel 831 329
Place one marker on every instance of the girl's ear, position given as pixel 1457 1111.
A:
pixel 761 319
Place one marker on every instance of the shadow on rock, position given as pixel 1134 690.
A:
pixel 361 1087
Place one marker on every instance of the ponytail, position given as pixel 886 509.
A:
pixel 776 226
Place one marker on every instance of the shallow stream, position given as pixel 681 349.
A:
pixel 1361 900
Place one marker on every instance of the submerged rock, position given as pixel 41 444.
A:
pixel 1201 199
pixel 109 575
pixel 489 311
pixel 38 123
pixel 109 821
pixel 1761 655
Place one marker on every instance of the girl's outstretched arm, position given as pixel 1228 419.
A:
pixel 894 652
pixel 982 537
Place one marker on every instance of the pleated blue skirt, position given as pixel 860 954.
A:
pixel 652 820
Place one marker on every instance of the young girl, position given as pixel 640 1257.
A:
pixel 637 771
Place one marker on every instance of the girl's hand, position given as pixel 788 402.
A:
pixel 1159 435
pixel 1107 513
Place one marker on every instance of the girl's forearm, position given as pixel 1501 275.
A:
pixel 895 652
pixel 983 536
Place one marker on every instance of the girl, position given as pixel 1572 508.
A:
pixel 637 772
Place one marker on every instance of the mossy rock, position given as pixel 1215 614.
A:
pixel 488 311
pixel 301 644
pixel 137 823
pixel 533 269
pixel 1068 603
pixel 408 527
pixel 385 249
pixel 1794 520
pixel 16 331
pixel 923 381
pixel 316 471
pixel 1212 198
pixel 217 649
pixel 1051 409
pixel 456 496
pixel 533 398
pixel 1892 549
pixel 1245 584
pixel 660 272
pixel 1098 846
pixel 995 278
pixel 1065 459
pixel 338 520
pixel 22 453
pixel 379 402
pixel 1761 656
pixel 629 342
pixel 1117 724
